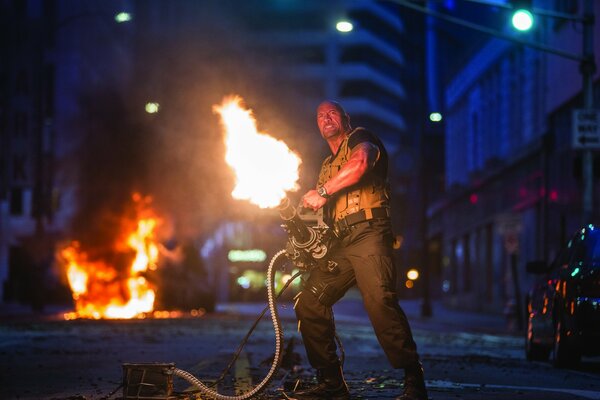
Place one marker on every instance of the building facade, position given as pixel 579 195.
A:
pixel 513 178
pixel 51 52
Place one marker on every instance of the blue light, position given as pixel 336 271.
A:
pixel 575 271
pixel 243 282
pixel 522 20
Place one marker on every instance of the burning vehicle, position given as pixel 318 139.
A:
pixel 124 279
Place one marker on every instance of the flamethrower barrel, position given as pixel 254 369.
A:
pixel 298 229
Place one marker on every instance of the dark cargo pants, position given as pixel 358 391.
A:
pixel 365 259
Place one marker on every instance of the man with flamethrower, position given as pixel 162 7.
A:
pixel 353 191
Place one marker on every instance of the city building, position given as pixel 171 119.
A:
pixel 52 52
pixel 513 177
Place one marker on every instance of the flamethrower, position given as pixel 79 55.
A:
pixel 308 246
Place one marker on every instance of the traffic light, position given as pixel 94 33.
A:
pixel 522 17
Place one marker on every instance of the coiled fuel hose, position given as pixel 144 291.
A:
pixel 213 394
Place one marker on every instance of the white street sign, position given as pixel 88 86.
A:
pixel 509 223
pixel 586 129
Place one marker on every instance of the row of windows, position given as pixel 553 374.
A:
pixel 363 54
pixel 23 86
pixel 367 90
pixel 471 263
pixel 377 26
pixel 495 118
pixel 19 202
pixel 368 55
pixel 16 206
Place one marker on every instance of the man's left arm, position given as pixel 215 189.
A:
pixel 362 159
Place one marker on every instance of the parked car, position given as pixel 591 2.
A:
pixel 563 306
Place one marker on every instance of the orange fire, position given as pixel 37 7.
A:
pixel 265 167
pixel 99 288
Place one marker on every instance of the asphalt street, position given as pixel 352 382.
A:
pixel 465 355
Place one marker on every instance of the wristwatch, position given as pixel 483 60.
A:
pixel 323 192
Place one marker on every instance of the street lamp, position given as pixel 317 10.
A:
pixel 152 107
pixel 435 117
pixel 344 26
pixel 123 16
pixel 522 20
pixel 412 274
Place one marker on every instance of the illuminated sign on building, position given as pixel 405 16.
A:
pixel 252 255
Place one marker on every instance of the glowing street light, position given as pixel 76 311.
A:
pixel 522 20
pixel 152 108
pixel 412 274
pixel 435 117
pixel 123 17
pixel 344 26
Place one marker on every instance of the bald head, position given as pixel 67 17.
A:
pixel 335 104
pixel 332 119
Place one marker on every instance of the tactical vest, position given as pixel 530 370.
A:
pixel 370 192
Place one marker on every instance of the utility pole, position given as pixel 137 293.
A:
pixel 588 68
pixel 429 103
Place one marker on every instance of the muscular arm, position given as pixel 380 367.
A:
pixel 362 158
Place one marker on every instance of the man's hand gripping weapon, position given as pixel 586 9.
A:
pixel 310 239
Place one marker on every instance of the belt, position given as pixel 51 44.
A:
pixel 367 214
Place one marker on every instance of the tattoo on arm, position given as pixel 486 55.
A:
pixel 367 152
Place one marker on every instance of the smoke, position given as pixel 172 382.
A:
pixel 177 155
pixel 112 164
pixel 189 174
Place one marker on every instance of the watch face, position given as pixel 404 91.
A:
pixel 322 192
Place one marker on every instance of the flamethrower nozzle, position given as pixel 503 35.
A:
pixel 296 227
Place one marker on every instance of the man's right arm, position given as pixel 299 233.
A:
pixel 362 159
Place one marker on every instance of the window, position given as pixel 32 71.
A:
pixel 594 248
pixel 566 7
pixel 368 55
pixel 49 74
pixel 22 84
pixel 371 91
pixel 587 248
pixel 16 201
pixel 20 124
pixel 19 172
pixel 562 259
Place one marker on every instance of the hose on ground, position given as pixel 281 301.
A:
pixel 213 394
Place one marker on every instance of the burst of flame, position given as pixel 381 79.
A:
pixel 265 167
pixel 100 290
